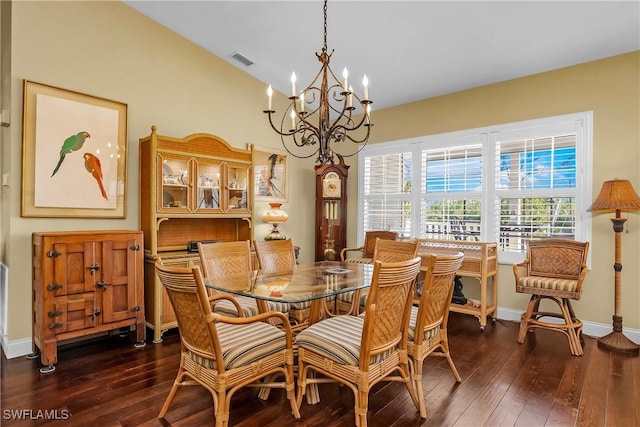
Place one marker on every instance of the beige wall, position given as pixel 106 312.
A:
pixel 611 89
pixel 108 50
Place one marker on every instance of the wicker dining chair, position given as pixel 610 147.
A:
pixel 278 257
pixel 361 351
pixel 223 353
pixel 228 259
pixel 428 321
pixel 386 251
pixel 553 270
pixel 367 248
pixel 275 256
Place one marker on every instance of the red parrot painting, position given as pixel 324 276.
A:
pixel 93 166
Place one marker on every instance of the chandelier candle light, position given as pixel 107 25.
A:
pixel 616 196
pixel 333 106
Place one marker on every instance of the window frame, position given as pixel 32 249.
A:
pixel 581 123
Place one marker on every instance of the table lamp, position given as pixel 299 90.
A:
pixel 275 216
pixel 617 196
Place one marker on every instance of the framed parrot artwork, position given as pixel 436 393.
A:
pixel 74 154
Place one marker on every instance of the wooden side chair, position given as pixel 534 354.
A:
pixel 222 353
pixel 553 270
pixel 386 251
pixel 428 321
pixel 228 259
pixel 361 351
pixel 367 248
pixel 278 257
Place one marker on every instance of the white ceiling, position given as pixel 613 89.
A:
pixel 409 50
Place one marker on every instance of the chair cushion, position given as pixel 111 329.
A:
pixel 429 333
pixel 359 260
pixel 244 344
pixel 535 284
pixel 337 338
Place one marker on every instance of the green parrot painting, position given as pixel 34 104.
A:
pixel 92 163
pixel 73 143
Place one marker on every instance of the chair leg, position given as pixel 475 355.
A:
pixel 415 369
pixel 454 371
pixel 172 394
pixel 573 328
pixel 222 411
pixel 362 404
pixel 526 316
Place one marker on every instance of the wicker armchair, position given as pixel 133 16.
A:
pixel 366 250
pixel 428 322
pixel 223 353
pixel 361 351
pixel 385 251
pixel 226 259
pixel 554 270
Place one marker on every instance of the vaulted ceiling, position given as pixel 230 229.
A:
pixel 409 50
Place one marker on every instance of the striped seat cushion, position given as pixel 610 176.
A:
pixel 428 334
pixel 359 260
pixel 337 338
pixel 243 344
pixel 348 296
pixel 248 305
pixel 548 283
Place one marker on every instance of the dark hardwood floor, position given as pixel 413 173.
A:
pixel 108 382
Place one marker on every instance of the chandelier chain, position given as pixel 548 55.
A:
pixel 325 26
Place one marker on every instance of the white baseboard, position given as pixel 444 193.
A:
pixel 16 348
pixel 591 329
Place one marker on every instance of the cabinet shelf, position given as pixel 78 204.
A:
pixel 210 199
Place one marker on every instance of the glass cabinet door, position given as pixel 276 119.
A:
pixel 238 188
pixel 207 186
pixel 174 178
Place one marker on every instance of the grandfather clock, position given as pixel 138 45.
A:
pixel 331 210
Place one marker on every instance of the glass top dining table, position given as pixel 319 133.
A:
pixel 314 283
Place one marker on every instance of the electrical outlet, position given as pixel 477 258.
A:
pixel 5 179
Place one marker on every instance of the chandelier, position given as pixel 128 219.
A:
pixel 322 119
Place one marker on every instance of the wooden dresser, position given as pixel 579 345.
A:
pixel 85 282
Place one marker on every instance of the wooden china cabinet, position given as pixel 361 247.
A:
pixel 331 210
pixel 196 188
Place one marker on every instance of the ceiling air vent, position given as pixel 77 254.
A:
pixel 242 59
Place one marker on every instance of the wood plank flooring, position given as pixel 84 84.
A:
pixel 108 382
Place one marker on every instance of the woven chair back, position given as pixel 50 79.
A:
pixel 388 306
pixel 558 258
pixel 370 238
pixel 225 259
pixel 394 251
pixel 188 296
pixel 275 256
pixel 435 300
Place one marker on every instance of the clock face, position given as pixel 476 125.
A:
pixel 331 185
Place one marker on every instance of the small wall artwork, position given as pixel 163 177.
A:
pixel 74 154
pixel 271 175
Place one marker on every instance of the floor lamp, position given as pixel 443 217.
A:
pixel 616 196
